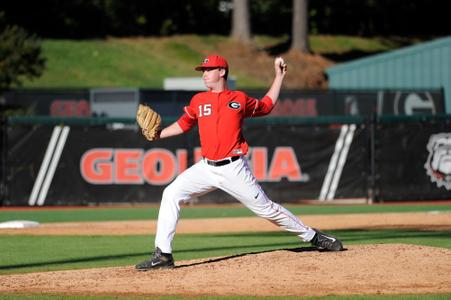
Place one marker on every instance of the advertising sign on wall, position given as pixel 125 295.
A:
pixel 59 165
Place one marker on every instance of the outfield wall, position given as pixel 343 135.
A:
pixel 81 161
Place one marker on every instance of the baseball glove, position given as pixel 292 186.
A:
pixel 149 121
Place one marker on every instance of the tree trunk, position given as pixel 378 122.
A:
pixel 299 33
pixel 241 28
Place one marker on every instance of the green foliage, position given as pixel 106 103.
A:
pixel 98 19
pixel 20 57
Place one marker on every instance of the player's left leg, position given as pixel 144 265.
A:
pixel 241 184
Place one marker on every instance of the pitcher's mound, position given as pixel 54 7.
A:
pixel 363 269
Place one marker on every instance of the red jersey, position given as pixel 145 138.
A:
pixel 220 118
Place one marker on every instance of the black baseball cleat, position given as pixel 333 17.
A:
pixel 158 260
pixel 327 242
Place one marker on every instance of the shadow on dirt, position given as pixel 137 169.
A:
pixel 225 258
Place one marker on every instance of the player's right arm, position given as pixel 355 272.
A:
pixel 257 108
pixel 280 68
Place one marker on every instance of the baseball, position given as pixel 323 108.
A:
pixel 281 64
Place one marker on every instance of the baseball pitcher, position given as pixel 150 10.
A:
pixel 219 114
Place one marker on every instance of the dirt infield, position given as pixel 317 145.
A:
pixel 371 269
pixel 361 269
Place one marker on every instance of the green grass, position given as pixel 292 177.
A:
pixel 339 44
pixel 145 62
pixel 45 215
pixel 97 63
pixel 24 253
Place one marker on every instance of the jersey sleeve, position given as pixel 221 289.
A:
pixel 188 120
pixel 257 108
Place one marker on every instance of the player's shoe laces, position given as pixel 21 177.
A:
pixel 158 260
pixel 327 242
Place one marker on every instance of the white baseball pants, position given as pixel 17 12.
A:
pixel 234 178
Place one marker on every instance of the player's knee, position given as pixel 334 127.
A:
pixel 173 194
pixel 169 194
pixel 265 209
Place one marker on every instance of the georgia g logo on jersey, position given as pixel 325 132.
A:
pixel 234 105
pixel 438 164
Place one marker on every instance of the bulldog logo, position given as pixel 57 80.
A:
pixel 438 164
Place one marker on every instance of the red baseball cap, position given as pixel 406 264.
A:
pixel 213 61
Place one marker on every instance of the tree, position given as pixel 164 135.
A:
pixel 299 33
pixel 241 28
pixel 20 57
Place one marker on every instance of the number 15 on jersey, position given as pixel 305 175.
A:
pixel 204 110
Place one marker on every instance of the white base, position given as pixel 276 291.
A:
pixel 18 224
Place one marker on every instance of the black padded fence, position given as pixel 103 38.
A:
pixel 89 161
pixel 412 158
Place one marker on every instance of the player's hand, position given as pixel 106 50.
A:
pixel 149 121
pixel 280 66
